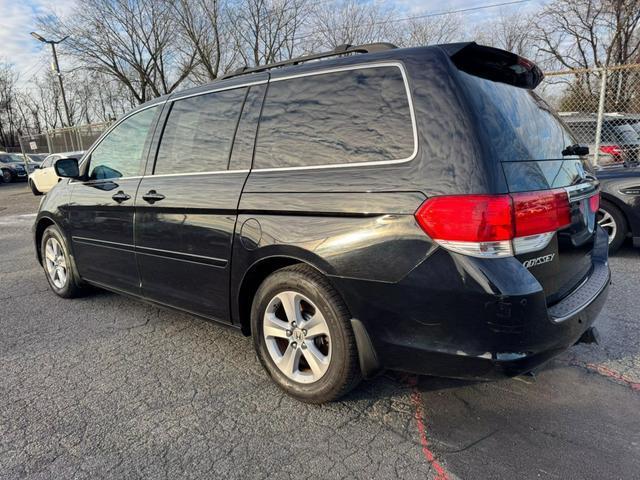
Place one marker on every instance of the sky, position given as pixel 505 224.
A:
pixel 19 17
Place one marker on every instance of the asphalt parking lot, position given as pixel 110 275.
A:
pixel 106 387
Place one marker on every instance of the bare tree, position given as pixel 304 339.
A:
pixel 432 30
pixel 8 123
pixel 205 28
pixel 583 33
pixel 132 41
pixel 349 22
pixel 268 30
pixel 511 32
pixel 586 33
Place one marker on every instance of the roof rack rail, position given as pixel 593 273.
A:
pixel 339 50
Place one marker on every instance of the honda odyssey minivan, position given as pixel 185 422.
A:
pixel 371 208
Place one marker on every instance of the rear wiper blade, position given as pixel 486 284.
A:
pixel 577 149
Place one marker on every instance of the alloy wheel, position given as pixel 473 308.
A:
pixel 56 263
pixel 297 337
pixel 608 223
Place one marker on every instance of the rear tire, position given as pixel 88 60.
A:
pixel 58 265
pixel 309 348
pixel 6 176
pixel 612 220
pixel 34 189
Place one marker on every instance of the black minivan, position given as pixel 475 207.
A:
pixel 373 208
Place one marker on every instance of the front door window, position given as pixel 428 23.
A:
pixel 119 154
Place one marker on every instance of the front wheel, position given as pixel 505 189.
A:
pixel 303 336
pixel 6 176
pixel 57 264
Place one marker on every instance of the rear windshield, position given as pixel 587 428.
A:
pixel 627 134
pixel 518 124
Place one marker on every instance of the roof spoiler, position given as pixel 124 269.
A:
pixel 494 64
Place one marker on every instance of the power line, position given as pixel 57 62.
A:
pixel 421 16
pixel 463 10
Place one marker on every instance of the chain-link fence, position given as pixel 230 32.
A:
pixel 70 139
pixel 602 107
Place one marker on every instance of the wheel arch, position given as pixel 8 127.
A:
pixel 257 272
pixel 41 225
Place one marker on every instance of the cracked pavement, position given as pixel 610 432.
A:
pixel 108 387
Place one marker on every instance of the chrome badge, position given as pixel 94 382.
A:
pixel 533 262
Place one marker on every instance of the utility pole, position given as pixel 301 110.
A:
pixel 56 67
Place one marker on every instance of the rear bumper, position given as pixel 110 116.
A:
pixel 475 319
pixel 515 354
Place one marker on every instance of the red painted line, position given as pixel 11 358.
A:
pixel 607 372
pixel 416 399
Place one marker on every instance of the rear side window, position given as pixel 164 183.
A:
pixel 199 132
pixel 350 116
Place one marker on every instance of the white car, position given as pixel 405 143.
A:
pixel 44 177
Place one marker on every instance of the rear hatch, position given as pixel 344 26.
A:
pixel 526 136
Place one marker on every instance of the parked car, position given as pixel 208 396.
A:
pixel 12 165
pixel 412 209
pixel 619 212
pixel 37 158
pixel 619 141
pixel 44 177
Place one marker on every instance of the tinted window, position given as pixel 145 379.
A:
pixel 242 154
pixel 627 134
pixel 518 124
pixel 10 158
pixel 199 131
pixel 352 116
pixel 119 154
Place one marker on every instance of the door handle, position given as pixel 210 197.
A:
pixel 152 196
pixel 121 197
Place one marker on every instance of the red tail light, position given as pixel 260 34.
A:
pixel 540 212
pixel 614 150
pixel 495 225
pixel 594 202
pixel 467 218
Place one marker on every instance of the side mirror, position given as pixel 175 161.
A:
pixel 67 167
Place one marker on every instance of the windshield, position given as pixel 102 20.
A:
pixel 10 158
